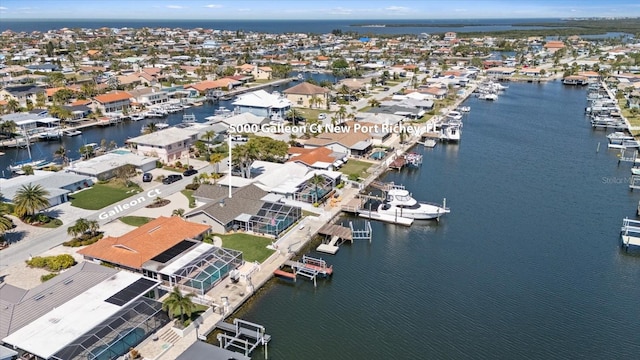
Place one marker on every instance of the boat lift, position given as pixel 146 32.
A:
pixel 246 336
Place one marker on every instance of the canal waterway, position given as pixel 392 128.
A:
pixel 526 266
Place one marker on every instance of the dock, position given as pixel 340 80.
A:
pixel 242 335
pixel 338 234
pixel 308 268
pixel 630 233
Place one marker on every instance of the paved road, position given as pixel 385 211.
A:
pixel 34 245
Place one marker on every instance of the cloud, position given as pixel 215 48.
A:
pixel 340 11
pixel 213 6
pixel 396 8
pixel 3 8
pixel 243 10
pixel 175 7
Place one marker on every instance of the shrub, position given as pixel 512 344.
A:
pixel 76 242
pixel 192 186
pixel 159 164
pixel 52 263
pixel 340 186
pixel 353 177
pixel 178 164
pixel 46 277
pixel 315 204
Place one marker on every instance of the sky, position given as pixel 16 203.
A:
pixel 312 9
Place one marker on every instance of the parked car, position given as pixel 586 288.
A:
pixel 190 172
pixel 147 177
pixel 171 179
pixel 239 138
pixel 386 88
pixel 322 116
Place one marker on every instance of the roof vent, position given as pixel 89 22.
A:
pixel 67 282
pixel 38 297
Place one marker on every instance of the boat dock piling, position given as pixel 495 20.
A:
pixel 245 336
pixel 630 233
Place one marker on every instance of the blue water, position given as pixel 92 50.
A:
pixel 120 346
pixel 526 266
pixel 278 26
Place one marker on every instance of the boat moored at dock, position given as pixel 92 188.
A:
pixel 399 202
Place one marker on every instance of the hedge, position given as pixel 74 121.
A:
pixel 52 263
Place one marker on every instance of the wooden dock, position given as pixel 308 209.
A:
pixel 242 335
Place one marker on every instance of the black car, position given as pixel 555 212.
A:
pixel 147 177
pixel 190 172
pixel 171 179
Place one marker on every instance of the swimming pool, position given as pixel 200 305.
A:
pixel 209 276
pixel 127 339
pixel 378 155
pixel 121 152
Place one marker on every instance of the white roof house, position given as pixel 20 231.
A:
pixel 168 145
pixel 262 103
pixel 58 318
pixel 58 184
pixel 103 166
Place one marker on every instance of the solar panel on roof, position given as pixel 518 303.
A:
pixel 141 286
pixel 173 251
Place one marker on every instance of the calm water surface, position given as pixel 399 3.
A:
pixel 526 266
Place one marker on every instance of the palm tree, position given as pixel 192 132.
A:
pixel 215 158
pixel 29 199
pixel 342 112
pixel 79 228
pixel 12 105
pixel 374 103
pixel 209 135
pixel 178 212
pixel 93 227
pixel 5 223
pixel 150 128
pixel 316 180
pixel 177 303
pixel 86 151
pixel 314 101
pixel 61 154
pixel 27 169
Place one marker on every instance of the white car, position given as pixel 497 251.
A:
pixel 322 116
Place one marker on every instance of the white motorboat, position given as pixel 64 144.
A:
pixel 635 171
pixel 188 118
pixel 455 115
pixel 137 117
pixel 71 132
pixel 490 97
pixel 451 132
pixel 626 144
pixel 400 203
pixel 618 137
pixel 464 108
pixel 35 164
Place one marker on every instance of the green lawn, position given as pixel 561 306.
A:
pixel 311 113
pixel 197 310
pixel 254 248
pixel 189 194
pixel 355 167
pixel 135 220
pixel 101 195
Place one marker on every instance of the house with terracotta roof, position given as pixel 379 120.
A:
pixel 168 249
pixel 553 46
pixel 113 102
pixel 321 158
pixel 305 95
pixel 262 72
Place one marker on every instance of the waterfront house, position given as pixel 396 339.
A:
pixel 238 120
pixel 353 143
pixel 249 209
pixel 432 92
pixel 70 316
pixel 22 94
pixel 261 103
pixel 116 101
pixel 305 95
pixel 553 46
pixel 168 249
pixel 321 158
pixel 57 184
pixel 149 96
pixel 262 72
pixel 168 145
pixel 500 72
pixel 103 167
